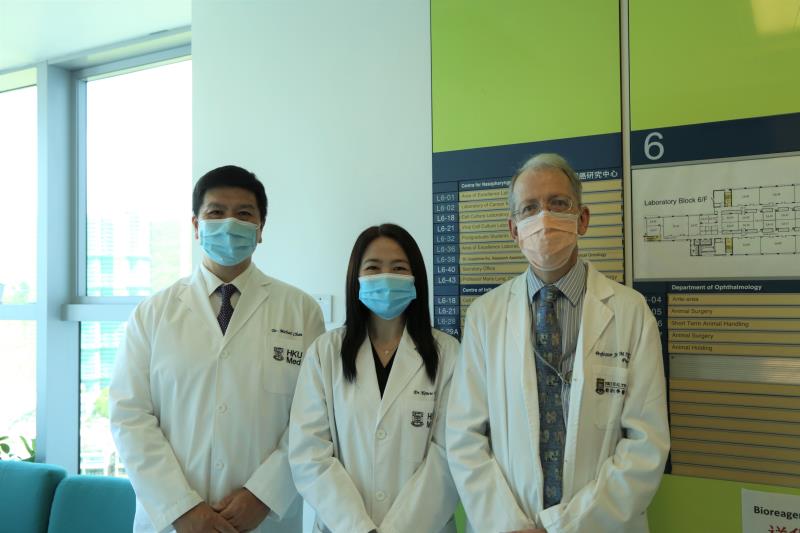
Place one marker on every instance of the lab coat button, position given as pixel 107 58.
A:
pixel 380 495
pixel 225 354
pixel 222 408
pixel 219 465
pixel 381 434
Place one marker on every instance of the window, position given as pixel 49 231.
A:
pixel 17 385
pixel 138 234
pixel 99 343
pixel 138 180
pixel 18 181
pixel 18 233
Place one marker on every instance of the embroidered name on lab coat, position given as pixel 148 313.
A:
pixel 288 332
pixel 625 357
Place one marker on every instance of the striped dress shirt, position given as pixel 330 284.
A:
pixel 569 306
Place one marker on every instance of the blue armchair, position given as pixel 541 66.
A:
pixel 26 494
pixel 93 504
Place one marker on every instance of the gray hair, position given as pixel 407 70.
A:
pixel 541 162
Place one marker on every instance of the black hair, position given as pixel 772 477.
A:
pixel 418 318
pixel 230 176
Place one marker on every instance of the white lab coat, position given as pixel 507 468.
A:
pixel 196 414
pixel 616 443
pixel 364 462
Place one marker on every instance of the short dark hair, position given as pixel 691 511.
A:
pixel 230 176
pixel 418 317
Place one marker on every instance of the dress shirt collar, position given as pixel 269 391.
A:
pixel 213 282
pixel 572 284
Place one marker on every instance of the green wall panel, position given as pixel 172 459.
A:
pixel 693 62
pixel 696 505
pixel 691 505
pixel 519 71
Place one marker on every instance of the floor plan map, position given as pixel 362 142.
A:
pixel 746 221
pixel 687 227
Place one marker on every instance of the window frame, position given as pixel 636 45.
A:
pixel 91 306
pixel 61 303
pixel 84 308
pixel 13 80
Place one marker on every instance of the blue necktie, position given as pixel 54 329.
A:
pixel 552 430
pixel 548 332
pixel 226 309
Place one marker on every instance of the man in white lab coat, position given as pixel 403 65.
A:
pixel 204 381
pixel 557 418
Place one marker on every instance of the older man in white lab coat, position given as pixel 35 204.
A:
pixel 557 418
pixel 204 380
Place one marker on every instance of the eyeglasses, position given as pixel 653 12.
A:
pixel 556 204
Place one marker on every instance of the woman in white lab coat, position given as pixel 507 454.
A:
pixel 366 438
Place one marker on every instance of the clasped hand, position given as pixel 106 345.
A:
pixel 237 512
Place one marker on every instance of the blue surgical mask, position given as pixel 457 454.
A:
pixel 387 295
pixel 228 241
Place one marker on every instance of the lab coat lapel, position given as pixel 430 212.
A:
pixel 520 353
pixel 407 363
pixel 366 378
pixel 194 296
pixel 252 296
pixel 518 320
pixel 595 318
pixel 596 314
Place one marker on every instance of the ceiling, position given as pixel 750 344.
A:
pixel 36 30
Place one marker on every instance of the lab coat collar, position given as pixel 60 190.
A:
pixel 365 374
pixel 195 296
pixel 213 282
pixel 518 316
pixel 596 314
pixel 407 363
pixel 572 284
pixel 519 351
pixel 596 317
pixel 253 294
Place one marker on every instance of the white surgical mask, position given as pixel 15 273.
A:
pixel 228 241
pixel 547 239
pixel 387 295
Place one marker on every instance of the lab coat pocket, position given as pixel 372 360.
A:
pixel 418 424
pixel 610 386
pixel 281 364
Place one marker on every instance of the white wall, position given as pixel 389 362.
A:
pixel 329 104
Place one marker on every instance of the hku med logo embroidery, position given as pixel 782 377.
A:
pixel 604 386
pixel 277 353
